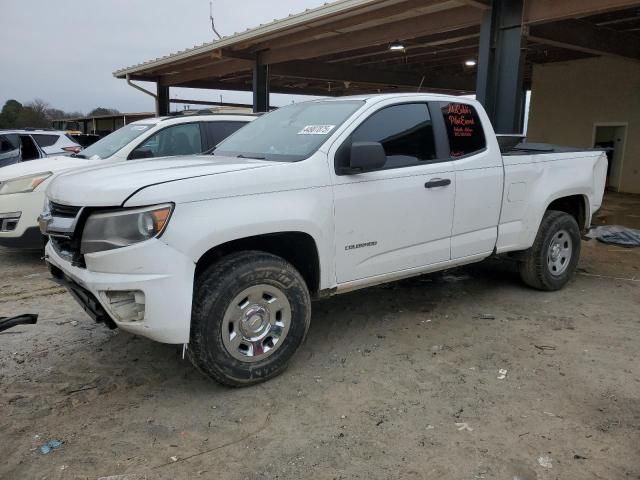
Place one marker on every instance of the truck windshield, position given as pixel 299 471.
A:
pixel 107 146
pixel 290 133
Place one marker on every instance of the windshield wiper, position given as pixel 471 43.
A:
pixel 251 157
pixel 79 155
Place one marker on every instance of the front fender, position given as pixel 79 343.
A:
pixel 197 227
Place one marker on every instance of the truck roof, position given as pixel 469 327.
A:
pixel 384 96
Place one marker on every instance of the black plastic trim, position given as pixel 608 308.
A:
pixel 29 240
pixel 84 297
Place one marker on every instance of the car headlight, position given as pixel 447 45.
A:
pixel 121 228
pixel 24 184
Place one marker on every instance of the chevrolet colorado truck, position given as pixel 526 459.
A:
pixel 223 253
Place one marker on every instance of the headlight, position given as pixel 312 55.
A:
pixel 23 184
pixel 116 229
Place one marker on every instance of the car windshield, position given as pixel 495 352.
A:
pixel 107 146
pixel 290 133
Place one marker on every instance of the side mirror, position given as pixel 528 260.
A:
pixel 139 153
pixel 366 156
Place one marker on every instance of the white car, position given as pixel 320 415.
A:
pixel 22 185
pixel 31 144
pixel 223 253
pixel 55 142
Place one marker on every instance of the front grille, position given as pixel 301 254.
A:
pixel 63 238
pixel 66 211
pixel 69 249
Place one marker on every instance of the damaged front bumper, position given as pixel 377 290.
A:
pixel 84 297
pixel 153 298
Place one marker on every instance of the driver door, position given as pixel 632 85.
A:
pixel 400 217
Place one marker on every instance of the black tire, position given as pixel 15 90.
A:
pixel 216 288
pixel 534 268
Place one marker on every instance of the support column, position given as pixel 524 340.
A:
pixel 260 85
pixel 500 81
pixel 162 100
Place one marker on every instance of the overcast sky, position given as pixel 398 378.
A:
pixel 65 51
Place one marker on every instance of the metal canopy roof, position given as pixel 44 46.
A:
pixel 342 48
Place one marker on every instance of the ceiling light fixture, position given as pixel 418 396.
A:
pixel 396 46
pixel 470 63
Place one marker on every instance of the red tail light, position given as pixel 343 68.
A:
pixel 72 149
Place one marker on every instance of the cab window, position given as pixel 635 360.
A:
pixel 405 132
pixel 464 129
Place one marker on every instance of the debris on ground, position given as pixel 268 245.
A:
pixel 463 426
pixel 502 374
pixel 544 348
pixel 545 461
pixel 9 322
pixel 451 278
pixel 50 445
pixel 486 316
pixel 126 476
pixel 616 235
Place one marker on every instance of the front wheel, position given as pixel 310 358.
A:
pixel 251 313
pixel 552 260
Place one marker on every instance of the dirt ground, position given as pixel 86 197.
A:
pixel 395 382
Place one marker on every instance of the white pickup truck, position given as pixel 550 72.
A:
pixel 223 253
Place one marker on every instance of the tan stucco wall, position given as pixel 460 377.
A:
pixel 568 98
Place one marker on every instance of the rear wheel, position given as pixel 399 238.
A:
pixel 251 313
pixel 552 260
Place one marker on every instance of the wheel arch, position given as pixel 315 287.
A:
pixel 576 205
pixel 298 248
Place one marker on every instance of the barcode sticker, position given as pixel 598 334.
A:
pixel 316 129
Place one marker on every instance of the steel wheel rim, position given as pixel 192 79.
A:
pixel 256 323
pixel 559 253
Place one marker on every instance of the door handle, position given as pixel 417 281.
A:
pixel 437 182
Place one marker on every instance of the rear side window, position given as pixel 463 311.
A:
pixel 218 131
pixel 464 129
pixel 44 140
pixel 405 132
pixel 9 143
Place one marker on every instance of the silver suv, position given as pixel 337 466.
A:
pixel 30 144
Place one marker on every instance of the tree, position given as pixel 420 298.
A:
pixel 103 111
pixel 29 117
pixel 57 114
pixel 9 114
pixel 34 114
pixel 38 114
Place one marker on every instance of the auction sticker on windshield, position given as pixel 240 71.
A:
pixel 316 129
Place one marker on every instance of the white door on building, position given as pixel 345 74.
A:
pixel 612 138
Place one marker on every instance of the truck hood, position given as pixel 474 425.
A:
pixel 48 164
pixel 111 185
